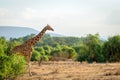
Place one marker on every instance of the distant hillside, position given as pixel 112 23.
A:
pixel 15 32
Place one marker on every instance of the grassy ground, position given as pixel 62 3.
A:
pixel 69 70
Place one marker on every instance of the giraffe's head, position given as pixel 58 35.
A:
pixel 48 27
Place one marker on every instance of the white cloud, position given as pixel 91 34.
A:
pixel 113 18
pixel 3 12
pixel 29 13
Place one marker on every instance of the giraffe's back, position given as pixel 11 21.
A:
pixel 22 50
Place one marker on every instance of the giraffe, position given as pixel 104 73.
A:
pixel 25 49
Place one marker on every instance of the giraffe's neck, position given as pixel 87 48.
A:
pixel 35 39
pixel 39 36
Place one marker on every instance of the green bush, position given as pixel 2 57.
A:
pixel 111 49
pixel 65 52
pixel 45 58
pixel 11 66
pixel 35 56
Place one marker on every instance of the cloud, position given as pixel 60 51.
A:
pixel 113 18
pixel 29 13
pixel 3 12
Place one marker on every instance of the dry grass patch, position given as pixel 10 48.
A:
pixel 69 70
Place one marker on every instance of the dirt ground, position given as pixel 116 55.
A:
pixel 70 70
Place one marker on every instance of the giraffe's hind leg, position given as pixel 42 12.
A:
pixel 40 61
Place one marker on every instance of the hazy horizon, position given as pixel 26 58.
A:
pixel 67 17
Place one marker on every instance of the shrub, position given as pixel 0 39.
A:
pixel 35 56
pixel 45 57
pixel 11 66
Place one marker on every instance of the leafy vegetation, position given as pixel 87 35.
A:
pixel 111 49
pixel 91 50
pixel 10 65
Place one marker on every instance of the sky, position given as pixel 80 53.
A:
pixel 67 17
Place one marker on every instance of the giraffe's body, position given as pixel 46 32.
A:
pixel 25 49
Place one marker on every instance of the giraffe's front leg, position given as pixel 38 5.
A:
pixel 29 66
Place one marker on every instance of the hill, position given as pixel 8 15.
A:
pixel 16 32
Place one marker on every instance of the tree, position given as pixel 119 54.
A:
pixel 91 49
pixel 111 49
pixel 82 53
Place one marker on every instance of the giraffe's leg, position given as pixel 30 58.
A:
pixel 40 61
pixel 29 66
